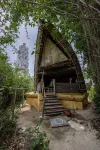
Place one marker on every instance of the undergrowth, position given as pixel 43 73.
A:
pixel 96 99
pixel 39 140
pixel 7 129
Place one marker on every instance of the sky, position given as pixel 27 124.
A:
pixel 32 34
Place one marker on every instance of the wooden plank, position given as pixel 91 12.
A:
pixel 52 103
pixel 67 87
pixel 54 110
pixel 53 107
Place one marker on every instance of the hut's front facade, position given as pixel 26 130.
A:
pixel 58 72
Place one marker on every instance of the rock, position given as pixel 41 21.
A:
pixel 75 125
pixel 79 121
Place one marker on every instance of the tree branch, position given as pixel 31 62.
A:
pixel 98 2
pixel 89 6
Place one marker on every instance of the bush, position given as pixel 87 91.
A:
pixel 39 140
pixel 7 128
pixel 96 98
pixel 91 93
pixel 11 77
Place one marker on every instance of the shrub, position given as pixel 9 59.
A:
pixel 7 128
pixel 11 77
pixel 97 98
pixel 91 93
pixel 39 139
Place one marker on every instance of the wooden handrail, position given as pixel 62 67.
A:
pixel 43 93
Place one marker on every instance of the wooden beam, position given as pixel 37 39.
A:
pixel 54 85
pixel 63 64
pixel 58 71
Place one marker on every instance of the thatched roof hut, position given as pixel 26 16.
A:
pixel 57 71
pixel 58 61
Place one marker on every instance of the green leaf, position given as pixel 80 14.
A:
pixel 32 52
pixel 35 143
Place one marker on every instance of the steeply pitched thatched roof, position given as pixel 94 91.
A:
pixel 45 32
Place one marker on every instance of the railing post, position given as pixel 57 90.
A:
pixel 70 84
pixel 54 86
pixel 43 94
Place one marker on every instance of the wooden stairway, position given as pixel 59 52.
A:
pixel 52 106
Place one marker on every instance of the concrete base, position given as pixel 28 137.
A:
pixel 68 100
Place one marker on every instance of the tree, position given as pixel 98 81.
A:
pixel 78 21
pixel 14 82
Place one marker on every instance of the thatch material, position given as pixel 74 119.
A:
pixel 71 59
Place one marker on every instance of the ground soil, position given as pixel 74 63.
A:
pixel 65 138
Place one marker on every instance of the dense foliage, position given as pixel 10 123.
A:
pixel 91 93
pixel 96 99
pixel 13 81
pixel 39 140
pixel 78 21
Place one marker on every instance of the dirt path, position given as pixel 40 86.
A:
pixel 64 138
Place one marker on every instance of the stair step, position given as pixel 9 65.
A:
pixel 54 110
pixel 53 107
pixel 54 99
pixel 52 103
pixel 50 95
pixel 51 98
pixel 53 114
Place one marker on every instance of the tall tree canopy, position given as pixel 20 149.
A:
pixel 77 20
